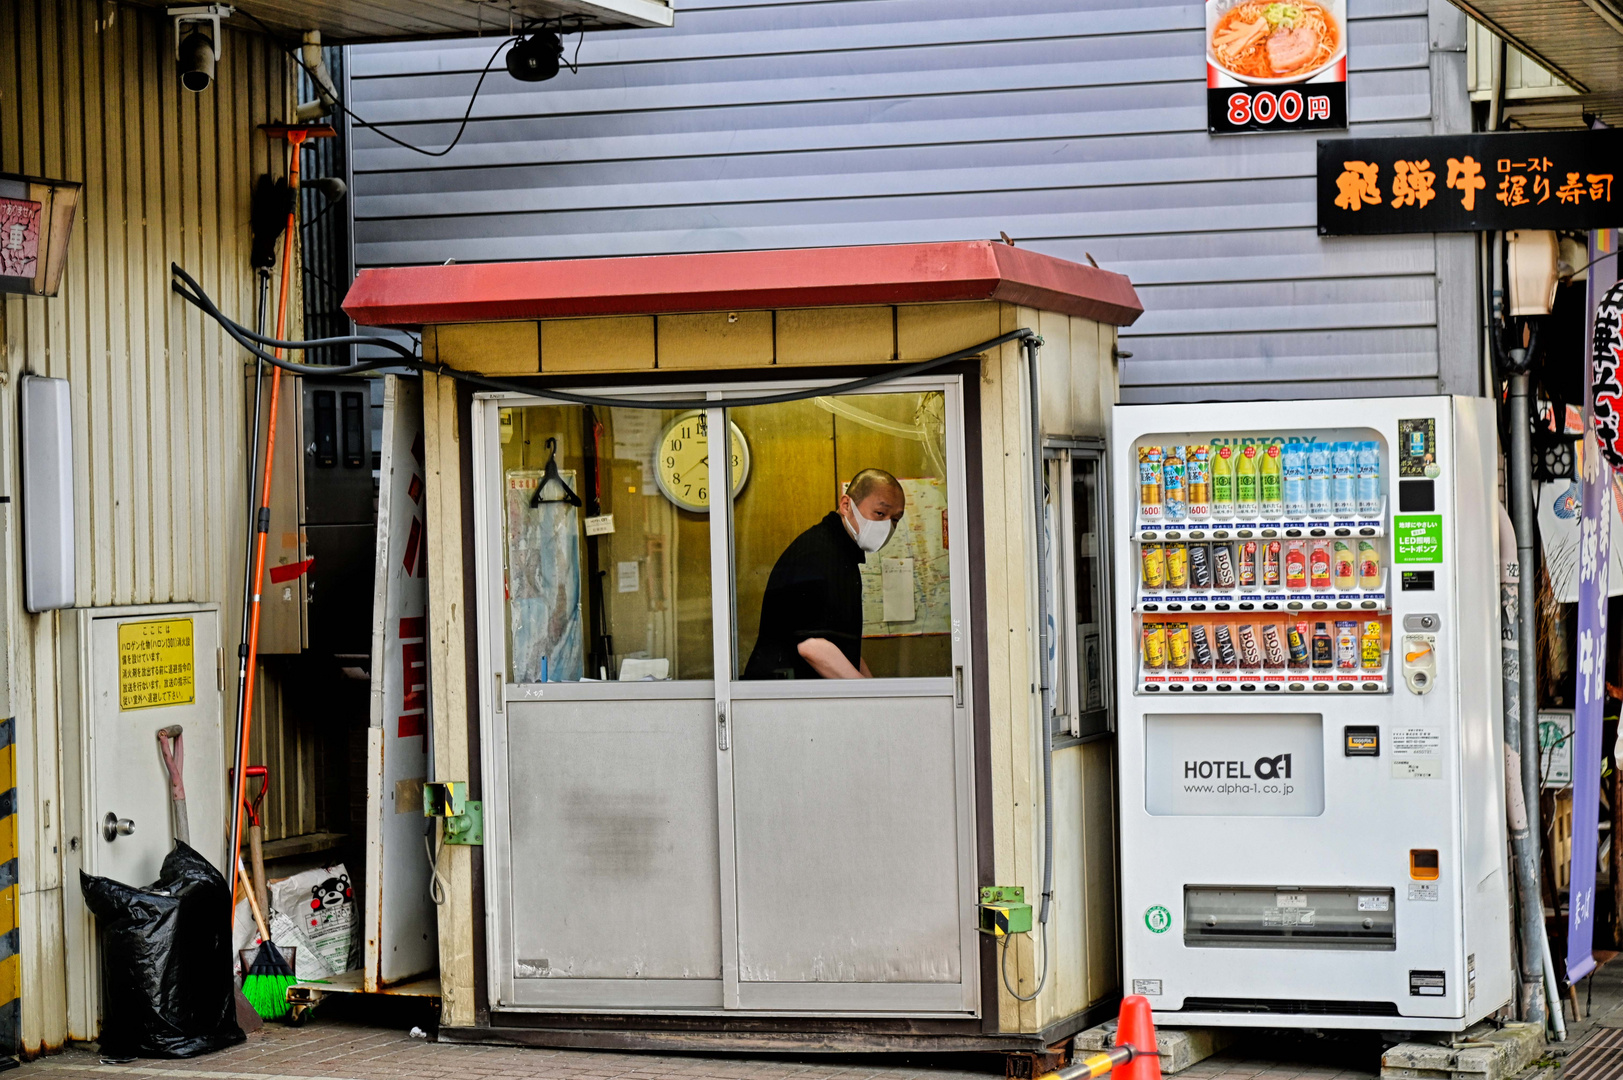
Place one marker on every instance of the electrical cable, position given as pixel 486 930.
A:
pixel 437 883
pixel 1590 263
pixel 292 50
pixel 1003 967
pixel 192 293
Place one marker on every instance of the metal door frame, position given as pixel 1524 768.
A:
pixel 609 995
pixel 75 690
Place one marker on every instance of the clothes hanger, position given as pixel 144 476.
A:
pixel 551 474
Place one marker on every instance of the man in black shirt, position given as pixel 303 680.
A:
pixel 811 613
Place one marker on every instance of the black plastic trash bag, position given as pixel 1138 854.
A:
pixel 167 983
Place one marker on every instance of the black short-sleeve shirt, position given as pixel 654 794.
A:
pixel 814 591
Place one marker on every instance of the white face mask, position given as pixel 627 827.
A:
pixel 870 535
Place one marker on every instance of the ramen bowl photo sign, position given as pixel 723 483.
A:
pixel 1275 66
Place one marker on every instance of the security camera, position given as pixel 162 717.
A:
pixel 535 58
pixel 197 37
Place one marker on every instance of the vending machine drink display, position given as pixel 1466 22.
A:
pixel 1311 762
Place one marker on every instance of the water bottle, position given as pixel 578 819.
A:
pixel 1344 495
pixel 1318 479
pixel 1369 479
pixel 1175 504
pixel 1295 467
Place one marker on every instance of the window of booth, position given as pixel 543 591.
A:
pixel 1078 574
pixel 831 586
pixel 605 555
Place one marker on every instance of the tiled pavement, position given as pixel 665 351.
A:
pixel 328 1049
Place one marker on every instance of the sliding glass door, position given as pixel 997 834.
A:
pixel 728 747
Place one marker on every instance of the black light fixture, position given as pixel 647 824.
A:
pixel 535 58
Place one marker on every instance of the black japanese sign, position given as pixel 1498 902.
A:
pixel 1471 183
pixel 1608 375
pixel 1275 66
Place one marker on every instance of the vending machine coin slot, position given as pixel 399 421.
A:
pixel 1420 662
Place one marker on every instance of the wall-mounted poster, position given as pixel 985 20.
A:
pixel 1275 67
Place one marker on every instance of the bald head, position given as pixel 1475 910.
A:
pixel 871 481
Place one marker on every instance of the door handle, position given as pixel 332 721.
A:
pixel 501 690
pixel 721 727
pixel 958 686
pixel 113 826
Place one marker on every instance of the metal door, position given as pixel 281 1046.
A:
pixel 149 670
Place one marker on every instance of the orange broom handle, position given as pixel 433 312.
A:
pixel 262 525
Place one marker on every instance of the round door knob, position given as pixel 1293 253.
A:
pixel 113 826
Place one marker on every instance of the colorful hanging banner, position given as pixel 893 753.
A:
pixel 1594 562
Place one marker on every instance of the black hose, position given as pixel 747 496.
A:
pixel 192 293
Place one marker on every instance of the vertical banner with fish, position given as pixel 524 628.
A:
pixel 1276 66
pixel 1600 456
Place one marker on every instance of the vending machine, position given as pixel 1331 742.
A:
pixel 1312 808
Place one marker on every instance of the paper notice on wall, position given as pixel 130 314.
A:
pixel 896 586
pixel 629 576
pixel 921 539
pixel 636 431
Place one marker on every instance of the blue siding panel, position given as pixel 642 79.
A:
pixel 1076 126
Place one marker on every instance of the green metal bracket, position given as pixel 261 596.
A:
pixel 1004 910
pixel 464 818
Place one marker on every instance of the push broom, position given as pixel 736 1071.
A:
pixel 267 979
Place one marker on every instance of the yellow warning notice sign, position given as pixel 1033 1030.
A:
pixel 155 665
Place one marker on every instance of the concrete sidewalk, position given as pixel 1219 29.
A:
pixel 335 1049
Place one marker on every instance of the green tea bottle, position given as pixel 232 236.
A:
pixel 1245 482
pixel 1273 486
pixel 1222 482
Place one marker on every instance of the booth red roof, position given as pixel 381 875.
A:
pixel 734 280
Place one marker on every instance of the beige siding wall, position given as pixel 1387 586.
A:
pixel 88 93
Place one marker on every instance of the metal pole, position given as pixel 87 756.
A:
pixel 1519 480
pixel 1531 921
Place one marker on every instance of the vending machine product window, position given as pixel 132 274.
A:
pixel 1263 562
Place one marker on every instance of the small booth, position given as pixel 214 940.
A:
pixel 685 850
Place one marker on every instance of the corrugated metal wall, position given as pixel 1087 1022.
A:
pixel 1073 125
pixel 88 92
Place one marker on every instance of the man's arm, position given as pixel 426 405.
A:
pixel 827 660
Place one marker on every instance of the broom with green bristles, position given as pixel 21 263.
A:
pixel 265 982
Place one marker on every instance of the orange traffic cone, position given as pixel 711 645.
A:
pixel 1135 1028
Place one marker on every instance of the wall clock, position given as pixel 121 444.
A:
pixel 682 461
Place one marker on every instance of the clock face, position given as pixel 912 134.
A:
pixel 682 461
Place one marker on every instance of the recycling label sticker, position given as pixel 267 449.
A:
pixel 1158 919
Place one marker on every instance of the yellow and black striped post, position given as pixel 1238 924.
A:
pixel 1094 1065
pixel 10 962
